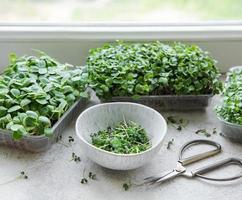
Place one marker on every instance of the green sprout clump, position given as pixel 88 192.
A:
pixel 231 108
pixel 35 92
pixel 135 69
pixel 125 138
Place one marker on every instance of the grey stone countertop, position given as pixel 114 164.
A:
pixel 53 176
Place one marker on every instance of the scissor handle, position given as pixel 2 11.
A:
pixel 194 158
pixel 203 170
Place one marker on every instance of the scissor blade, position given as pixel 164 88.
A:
pixel 158 176
pixel 169 176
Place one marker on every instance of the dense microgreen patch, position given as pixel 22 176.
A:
pixel 35 92
pixel 133 69
pixel 125 138
pixel 231 109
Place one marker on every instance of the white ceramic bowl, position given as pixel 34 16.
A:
pixel 100 116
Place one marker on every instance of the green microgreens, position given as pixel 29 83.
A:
pixel 125 138
pixel 35 92
pixel 231 109
pixel 134 69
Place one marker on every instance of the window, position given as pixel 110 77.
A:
pixel 67 29
pixel 119 10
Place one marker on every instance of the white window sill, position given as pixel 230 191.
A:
pixel 121 31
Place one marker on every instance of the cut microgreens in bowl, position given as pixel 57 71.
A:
pixel 136 69
pixel 35 92
pixel 120 135
pixel 125 138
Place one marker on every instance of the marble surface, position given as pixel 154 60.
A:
pixel 53 176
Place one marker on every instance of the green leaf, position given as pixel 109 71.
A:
pixel 16 127
pixel 8 126
pixel 3 91
pixel 70 97
pixel 3 111
pixel 15 92
pixel 16 120
pixel 42 70
pixel 42 101
pixel 163 81
pixel 32 114
pixel 17 135
pixel 62 105
pixel 25 102
pixel 12 58
pixel 84 94
pixel 48 132
pixel 14 108
pixel 45 120
pixel 29 121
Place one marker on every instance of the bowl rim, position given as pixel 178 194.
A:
pixel 221 119
pixel 117 154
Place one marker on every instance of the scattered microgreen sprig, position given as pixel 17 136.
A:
pixel 125 138
pixel 178 123
pixel 203 132
pixel 170 143
pixel 127 185
pixel 75 158
pixel 91 176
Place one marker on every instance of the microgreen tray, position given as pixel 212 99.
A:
pixel 43 143
pixel 170 102
pixel 231 130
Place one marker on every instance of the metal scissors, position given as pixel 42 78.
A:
pixel 180 169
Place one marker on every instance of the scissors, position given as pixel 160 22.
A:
pixel 180 169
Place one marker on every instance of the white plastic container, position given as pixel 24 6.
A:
pixel 42 143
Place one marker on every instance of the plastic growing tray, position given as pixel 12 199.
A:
pixel 231 130
pixel 43 143
pixel 170 102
